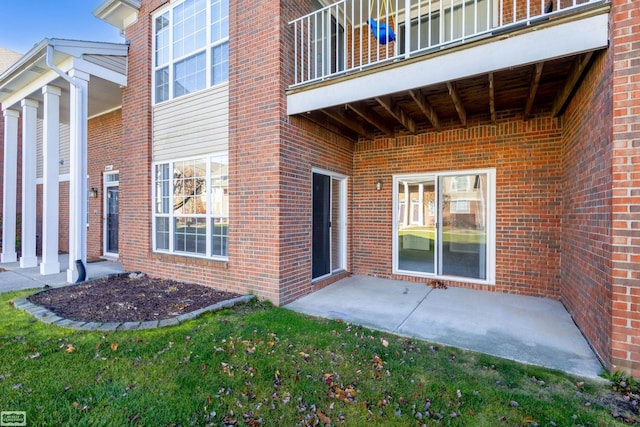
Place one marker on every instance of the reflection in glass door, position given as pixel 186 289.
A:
pixel 442 225
pixel 416 224
pixel 464 226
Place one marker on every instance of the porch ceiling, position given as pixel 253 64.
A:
pixel 546 86
pixel 104 63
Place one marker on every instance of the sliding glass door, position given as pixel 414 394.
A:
pixel 444 225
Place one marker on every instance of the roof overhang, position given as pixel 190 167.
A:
pixel 119 13
pixel 105 63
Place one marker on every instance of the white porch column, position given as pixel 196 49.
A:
pixel 78 116
pixel 29 147
pixel 50 188
pixel 10 183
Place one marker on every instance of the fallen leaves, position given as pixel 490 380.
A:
pixel 114 346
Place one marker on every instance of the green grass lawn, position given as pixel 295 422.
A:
pixel 261 365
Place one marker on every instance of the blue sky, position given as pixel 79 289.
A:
pixel 24 23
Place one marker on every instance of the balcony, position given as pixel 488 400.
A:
pixel 441 61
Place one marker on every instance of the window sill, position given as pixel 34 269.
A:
pixel 185 259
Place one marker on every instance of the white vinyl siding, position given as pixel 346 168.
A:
pixel 63 150
pixel 196 124
pixel 114 63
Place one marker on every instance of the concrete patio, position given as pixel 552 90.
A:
pixel 532 330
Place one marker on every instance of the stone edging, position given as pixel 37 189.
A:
pixel 47 316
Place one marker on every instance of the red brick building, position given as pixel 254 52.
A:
pixel 276 147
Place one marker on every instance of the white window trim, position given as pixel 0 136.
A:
pixel 209 216
pixel 207 49
pixel 491 225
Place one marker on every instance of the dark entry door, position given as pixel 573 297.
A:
pixel 112 220
pixel 321 247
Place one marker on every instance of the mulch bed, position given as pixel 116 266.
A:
pixel 128 298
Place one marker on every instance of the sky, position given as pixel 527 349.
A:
pixel 24 23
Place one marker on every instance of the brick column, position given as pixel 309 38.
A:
pixel 625 201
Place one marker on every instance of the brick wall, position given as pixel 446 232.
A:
pixel 104 140
pixel 586 214
pixel 135 170
pixel 526 156
pixel 270 155
pixel 625 191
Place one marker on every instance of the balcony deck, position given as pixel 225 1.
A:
pixel 530 64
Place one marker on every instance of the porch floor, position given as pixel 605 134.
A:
pixel 537 331
pixel 17 278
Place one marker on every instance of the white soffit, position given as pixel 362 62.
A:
pixel 538 45
pixel 119 13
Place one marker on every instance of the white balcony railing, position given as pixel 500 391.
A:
pixel 343 37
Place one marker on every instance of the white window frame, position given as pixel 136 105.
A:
pixel 207 49
pixel 490 232
pixel 209 216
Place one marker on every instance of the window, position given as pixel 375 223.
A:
pixel 191 207
pixel 191 48
pixel 449 231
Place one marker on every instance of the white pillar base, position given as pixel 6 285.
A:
pixel 72 275
pixel 51 267
pixel 28 261
pixel 9 257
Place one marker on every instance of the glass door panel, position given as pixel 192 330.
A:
pixel 464 226
pixel 112 220
pixel 416 225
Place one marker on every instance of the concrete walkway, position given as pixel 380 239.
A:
pixel 532 330
pixel 29 278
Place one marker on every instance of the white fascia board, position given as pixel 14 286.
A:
pixel 78 48
pixel 33 86
pixel 538 45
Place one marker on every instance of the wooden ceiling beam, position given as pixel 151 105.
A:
pixel 579 66
pixel 372 118
pixel 453 93
pixel 426 108
pixel 398 113
pixel 339 116
pixel 492 98
pixel 533 89
pixel 322 121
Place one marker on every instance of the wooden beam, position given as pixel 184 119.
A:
pixel 426 108
pixel 398 113
pixel 323 121
pixel 372 118
pixel 492 98
pixel 339 116
pixel 533 89
pixel 579 66
pixel 458 104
